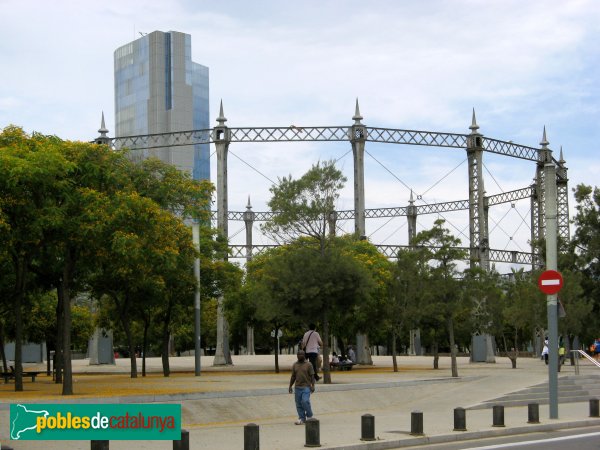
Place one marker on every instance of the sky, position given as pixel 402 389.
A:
pixel 419 65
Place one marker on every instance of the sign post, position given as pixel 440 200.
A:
pixel 550 283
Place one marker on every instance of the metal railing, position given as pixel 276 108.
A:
pixel 586 356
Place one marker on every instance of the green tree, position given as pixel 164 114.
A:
pixel 522 307
pixel 33 183
pixel 408 292
pixel 302 209
pixel 444 282
pixel 141 247
pixel 585 247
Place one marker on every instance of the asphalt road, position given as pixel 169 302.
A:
pixel 579 439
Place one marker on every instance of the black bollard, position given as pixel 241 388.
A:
pixel 367 427
pixel 533 413
pixel 498 416
pixel 460 419
pixel 312 434
pixel 594 407
pixel 184 442
pixel 416 423
pixel 99 445
pixel 251 441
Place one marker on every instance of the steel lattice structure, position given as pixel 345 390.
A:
pixel 328 133
pixel 357 135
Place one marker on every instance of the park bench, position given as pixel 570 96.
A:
pixel 342 365
pixel 10 375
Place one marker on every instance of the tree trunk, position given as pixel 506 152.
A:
pixel 453 364
pixel 67 388
pixel 166 337
pixel 131 346
pixel 394 359
pixel 18 314
pixel 436 356
pixel 20 265
pixel 144 345
pixel 58 355
pixel 2 353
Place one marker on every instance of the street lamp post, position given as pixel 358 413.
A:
pixel 197 348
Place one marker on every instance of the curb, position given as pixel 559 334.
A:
pixel 465 436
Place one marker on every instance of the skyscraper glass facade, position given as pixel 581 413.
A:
pixel 159 89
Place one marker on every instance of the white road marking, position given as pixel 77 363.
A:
pixel 540 441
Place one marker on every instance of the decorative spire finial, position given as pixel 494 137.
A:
pixel 474 127
pixel 221 119
pixel 544 142
pixel 248 206
pixel 103 130
pixel 561 159
pixel 357 117
pixel 412 200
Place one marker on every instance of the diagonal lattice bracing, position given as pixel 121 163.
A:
pixel 391 251
pixel 153 141
pixel 385 212
pixel 511 196
pixel 239 251
pixel 415 137
pixel 510 149
pixel 401 211
pixel 292 133
pixel 329 133
pixel 435 208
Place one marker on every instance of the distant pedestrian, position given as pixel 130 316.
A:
pixel 311 341
pixel 562 351
pixel 545 351
pixel 303 377
pixel 596 348
pixel 351 354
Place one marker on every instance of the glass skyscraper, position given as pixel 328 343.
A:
pixel 158 89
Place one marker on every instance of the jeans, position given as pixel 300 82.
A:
pixel 302 396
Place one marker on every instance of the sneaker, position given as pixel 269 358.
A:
pixel 299 422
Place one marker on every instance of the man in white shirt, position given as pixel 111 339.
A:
pixel 311 341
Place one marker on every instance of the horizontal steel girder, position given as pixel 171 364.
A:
pixel 391 251
pixel 333 133
pixel 434 208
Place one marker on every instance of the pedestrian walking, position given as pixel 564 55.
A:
pixel 302 383
pixel 311 341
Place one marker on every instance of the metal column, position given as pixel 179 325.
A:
pixel 551 264
pixel 357 139
pixel 249 217
pixel 562 202
pixel 477 212
pixel 411 216
pixel 221 139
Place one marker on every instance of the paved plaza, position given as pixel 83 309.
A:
pixel 217 404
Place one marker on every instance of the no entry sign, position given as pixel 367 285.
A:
pixel 550 282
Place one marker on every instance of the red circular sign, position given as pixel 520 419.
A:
pixel 550 282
